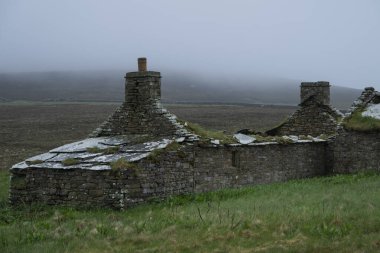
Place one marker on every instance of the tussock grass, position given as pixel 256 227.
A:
pixel 331 214
pixel 357 122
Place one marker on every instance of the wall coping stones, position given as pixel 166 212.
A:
pixel 316 84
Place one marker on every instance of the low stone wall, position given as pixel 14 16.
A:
pixel 355 151
pixel 191 169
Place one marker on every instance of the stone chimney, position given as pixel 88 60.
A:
pixel 141 112
pixel 320 90
pixel 142 88
pixel 142 64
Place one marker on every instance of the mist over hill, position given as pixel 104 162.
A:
pixel 176 88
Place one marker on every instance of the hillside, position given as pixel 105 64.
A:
pixel 176 88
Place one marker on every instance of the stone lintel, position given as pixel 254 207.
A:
pixel 141 74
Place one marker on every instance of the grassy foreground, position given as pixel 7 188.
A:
pixel 332 214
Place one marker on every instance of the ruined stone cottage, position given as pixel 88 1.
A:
pixel 143 152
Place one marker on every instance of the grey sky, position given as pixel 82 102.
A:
pixel 333 40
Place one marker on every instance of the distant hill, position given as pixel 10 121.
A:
pixel 176 88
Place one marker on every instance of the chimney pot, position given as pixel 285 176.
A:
pixel 142 64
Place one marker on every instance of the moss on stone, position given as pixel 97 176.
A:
pixel 70 161
pixel 107 151
pixel 122 163
pixel 34 162
pixel 209 134
pixel 282 140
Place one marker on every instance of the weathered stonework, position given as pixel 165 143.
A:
pixel 142 153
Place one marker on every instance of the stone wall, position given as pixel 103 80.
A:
pixel 190 169
pixel 355 151
pixel 232 167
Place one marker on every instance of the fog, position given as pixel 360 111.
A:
pixel 310 40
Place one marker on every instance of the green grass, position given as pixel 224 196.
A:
pixel 357 122
pixel 331 214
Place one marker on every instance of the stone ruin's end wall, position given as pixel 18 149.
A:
pixel 315 115
pixel 355 151
pixel 170 174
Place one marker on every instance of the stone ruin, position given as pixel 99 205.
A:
pixel 143 153
pixel 315 116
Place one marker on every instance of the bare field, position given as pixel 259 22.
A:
pixel 30 129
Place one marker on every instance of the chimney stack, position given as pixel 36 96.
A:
pixel 320 90
pixel 142 64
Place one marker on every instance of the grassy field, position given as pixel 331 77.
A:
pixel 332 214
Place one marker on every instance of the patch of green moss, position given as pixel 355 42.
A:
pixel 155 155
pixel 304 137
pixel 122 163
pixel 70 161
pixel 284 141
pixel 323 137
pixel 107 151
pixel 210 134
pixel 357 122
pixel 34 162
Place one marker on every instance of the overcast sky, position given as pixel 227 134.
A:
pixel 310 40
